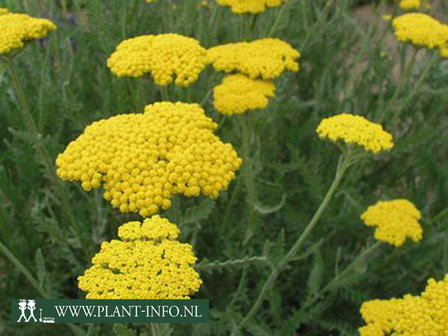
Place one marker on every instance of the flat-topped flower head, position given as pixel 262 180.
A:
pixel 143 159
pixel 355 130
pixel 266 58
pixel 238 94
pixel 146 263
pixel 395 221
pixel 421 30
pixel 423 315
pixel 18 29
pixel 413 4
pixel 167 58
pixel 250 6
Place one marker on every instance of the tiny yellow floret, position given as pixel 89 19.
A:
pixel 266 58
pixel 167 58
pixel 146 263
pixel 250 6
pixel 143 159
pixel 421 30
pixel 413 4
pixel 355 130
pixel 238 94
pixel 424 315
pixel 394 221
pixel 17 29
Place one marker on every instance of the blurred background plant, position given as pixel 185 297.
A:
pixel 350 62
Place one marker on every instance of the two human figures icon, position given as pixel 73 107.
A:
pixel 25 305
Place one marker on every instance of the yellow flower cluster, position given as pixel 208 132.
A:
pixel 422 30
pixel 425 315
pixel 355 130
pixel 16 29
pixel 167 57
pixel 413 4
pixel 147 263
pixel 250 6
pixel 143 159
pixel 266 58
pixel 239 93
pixel 394 221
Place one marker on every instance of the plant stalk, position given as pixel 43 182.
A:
pixel 403 79
pixel 247 124
pixel 37 141
pixel 334 282
pixel 155 328
pixel 343 164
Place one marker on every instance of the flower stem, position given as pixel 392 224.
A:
pixel 37 141
pixel 277 20
pixel 164 93
pixel 155 328
pixel 229 206
pixel 247 124
pixel 24 271
pixel 415 88
pixel 75 329
pixel 230 263
pixel 344 162
pixel 403 79
pixel 322 18
pixel 337 279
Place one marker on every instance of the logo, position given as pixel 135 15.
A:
pixel 30 306
pixel 109 311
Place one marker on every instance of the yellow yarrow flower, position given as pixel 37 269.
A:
pixel 266 58
pixel 144 159
pixel 250 6
pixel 421 30
pixel 394 221
pixel 424 315
pixel 17 29
pixel 146 263
pixel 413 4
pixel 167 58
pixel 3 11
pixel 238 94
pixel 355 130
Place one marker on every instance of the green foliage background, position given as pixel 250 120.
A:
pixel 349 64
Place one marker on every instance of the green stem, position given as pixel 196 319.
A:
pixel 247 123
pixel 177 210
pixel 403 80
pixel 278 20
pixel 164 93
pixel 344 162
pixel 230 263
pixel 340 276
pixel 124 19
pixel 321 19
pixel 24 271
pixel 75 329
pixel 415 88
pixel 439 216
pixel 37 140
pixel 214 23
pixel 155 328
pixel 229 206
